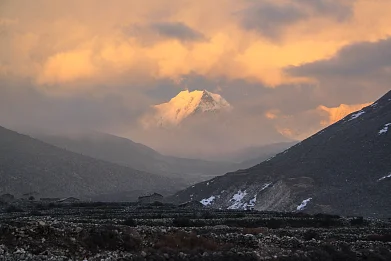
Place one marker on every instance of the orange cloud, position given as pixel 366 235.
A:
pixel 287 132
pixel 306 123
pixel 67 67
pixel 337 113
pixel 89 48
pixel 272 114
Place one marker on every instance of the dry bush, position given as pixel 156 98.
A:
pixel 187 241
pixel 382 238
pixel 108 238
pixel 254 231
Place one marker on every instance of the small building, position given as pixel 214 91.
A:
pixel 155 197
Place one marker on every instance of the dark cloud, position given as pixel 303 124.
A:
pixel 23 107
pixel 353 60
pixel 177 30
pixel 339 10
pixel 358 73
pixel 152 33
pixel 270 19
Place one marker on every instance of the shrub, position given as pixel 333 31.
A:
pixel 198 223
pixel 184 241
pixel 12 208
pixel 274 223
pixel 157 204
pixel 310 234
pixel 35 213
pixel 344 253
pixel 358 221
pixel 254 231
pixel 207 215
pixel 382 238
pixel 321 215
pixel 326 222
pixel 130 222
pixel 108 238
pixel 182 222
pixel 40 207
pixel 238 215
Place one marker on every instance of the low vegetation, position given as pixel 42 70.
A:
pixel 127 231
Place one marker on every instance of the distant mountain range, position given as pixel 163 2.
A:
pixel 344 169
pixel 29 165
pixel 94 165
pixel 125 152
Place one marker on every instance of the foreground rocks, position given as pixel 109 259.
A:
pixel 114 231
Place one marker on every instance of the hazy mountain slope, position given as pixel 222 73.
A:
pixel 343 169
pixel 128 153
pixel 28 165
pixel 252 156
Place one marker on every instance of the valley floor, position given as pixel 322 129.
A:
pixel 127 231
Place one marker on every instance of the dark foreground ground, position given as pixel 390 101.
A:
pixel 114 231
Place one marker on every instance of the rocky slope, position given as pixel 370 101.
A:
pixel 28 165
pixel 343 169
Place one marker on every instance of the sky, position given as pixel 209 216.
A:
pixel 289 68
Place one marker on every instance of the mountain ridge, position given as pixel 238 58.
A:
pixel 128 153
pixel 339 170
pixel 27 165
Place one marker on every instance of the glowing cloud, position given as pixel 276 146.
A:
pixel 276 61
pixel 66 67
pixel 337 113
pixel 272 114
pixel 207 38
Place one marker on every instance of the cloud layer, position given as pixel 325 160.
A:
pixel 99 64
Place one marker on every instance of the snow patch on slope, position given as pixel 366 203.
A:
pixel 303 204
pixel 265 186
pixel 385 129
pixel 271 158
pixel 385 177
pixel 356 115
pixel 208 201
pixel 237 200
pixel 252 202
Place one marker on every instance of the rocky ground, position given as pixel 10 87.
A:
pixel 126 231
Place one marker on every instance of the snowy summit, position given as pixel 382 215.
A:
pixel 188 103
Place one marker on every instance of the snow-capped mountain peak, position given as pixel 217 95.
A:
pixel 187 103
